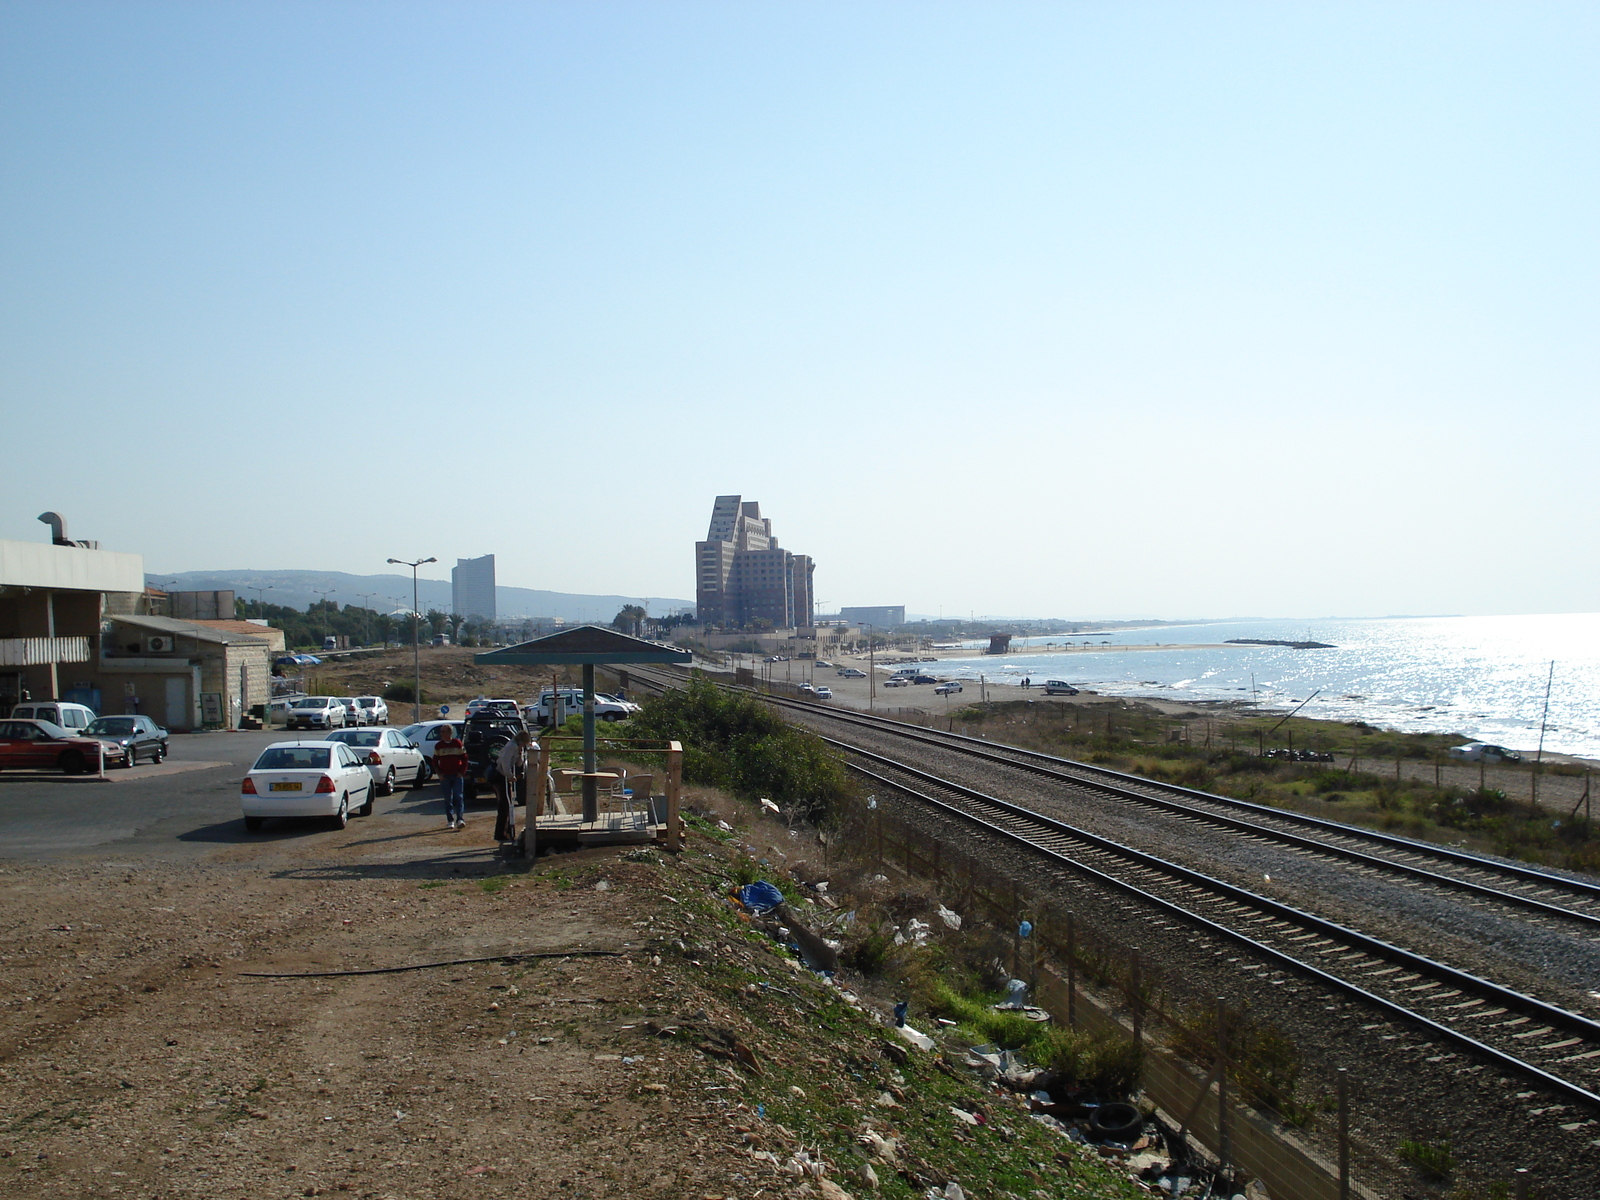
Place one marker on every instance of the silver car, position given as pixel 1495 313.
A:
pixel 316 712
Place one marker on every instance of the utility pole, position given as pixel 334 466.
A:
pixel 327 627
pixel 368 597
pixel 416 633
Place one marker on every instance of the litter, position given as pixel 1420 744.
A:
pixel 769 805
pixel 1016 994
pixel 760 897
pixel 952 920
pixel 725 827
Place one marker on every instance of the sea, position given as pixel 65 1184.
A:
pixel 1482 677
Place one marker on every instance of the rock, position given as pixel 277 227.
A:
pixel 868 1176
pixel 829 1190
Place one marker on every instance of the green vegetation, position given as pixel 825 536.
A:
pixel 1390 780
pixel 734 742
pixel 1433 1159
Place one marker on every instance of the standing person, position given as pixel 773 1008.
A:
pixel 450 761
pixel 511 769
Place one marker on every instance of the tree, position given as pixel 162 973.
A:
pixel 437 621
pixel 629 620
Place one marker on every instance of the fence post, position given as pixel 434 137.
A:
pixel 1344 1134
pixel 880 840
pixel 1072 969
pixel 1016 930
pixel 1520 1183
pixel 1223 1149
pixel 935 861
pixel 1136 987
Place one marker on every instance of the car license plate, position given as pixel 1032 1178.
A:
pixel 286 787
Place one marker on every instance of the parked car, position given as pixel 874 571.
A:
pixel 605 708
pixel 946 688
pixel 920 678
pixel 373 710
pixel 1484 752
pixel 806 687
pixel 391 757
pixel 426 735
pixel 352 711
pixel 824 693
pixel 44 744
pixel 316 712
pixel 306 779
pixel 510 707
pixel 74 718
pixel 851 673
pixel 822 662
pixel 483 736
pixel 901 681
pixel 611 698
pixel 1059 687
pixel 138 735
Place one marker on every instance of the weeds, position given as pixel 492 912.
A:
pixel 1433 1159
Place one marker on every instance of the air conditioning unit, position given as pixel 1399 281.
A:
pixel 158 645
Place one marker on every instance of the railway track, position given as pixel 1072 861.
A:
pixel 1518 1033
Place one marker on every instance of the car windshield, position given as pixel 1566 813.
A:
pixel 293 758
pixel 111 725
pixel 366 700
pixel 312 702
pixel 359 737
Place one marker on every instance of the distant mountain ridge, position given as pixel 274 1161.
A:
pixel 384 593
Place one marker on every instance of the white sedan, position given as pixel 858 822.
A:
pixel 389 755
pixel 306 779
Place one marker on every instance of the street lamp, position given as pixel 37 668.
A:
pixel 367 620
pixel 261 604
pixel 416 632
pixel 327 627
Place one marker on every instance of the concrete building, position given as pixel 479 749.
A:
pixel 743 576
pixel 184 674
pixel 472 587
pixel 880 616
pixel 52 600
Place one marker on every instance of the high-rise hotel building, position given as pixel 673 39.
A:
pixel 472 587
pixel 742 575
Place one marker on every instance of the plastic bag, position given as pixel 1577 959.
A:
pixel 760 897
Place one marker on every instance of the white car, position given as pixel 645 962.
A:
pixel 316 712
pixel 373 710
pixel 824 693
pixel 851 673
pixel 610 698
pixel 898 681
pixel 1484 752
pixel 425 736
pixel 306 779
pixel 806 687
pixel 945 688
pixel 389 755
pixel 538 713
pixel 510 707
pixel 353 715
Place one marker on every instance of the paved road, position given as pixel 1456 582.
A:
pixel 179 810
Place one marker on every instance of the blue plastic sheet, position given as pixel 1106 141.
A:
pixel 760 896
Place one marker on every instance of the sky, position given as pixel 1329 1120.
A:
pixel 1071 309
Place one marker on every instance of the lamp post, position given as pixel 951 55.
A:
pixel 416 632
pixel 261 604
pixel 327 627
pixel 367 620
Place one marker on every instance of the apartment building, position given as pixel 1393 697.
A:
pixel 743 576
pixel 472 587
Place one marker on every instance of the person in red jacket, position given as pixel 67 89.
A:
pixel 450 761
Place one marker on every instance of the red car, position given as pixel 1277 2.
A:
pixel 43 744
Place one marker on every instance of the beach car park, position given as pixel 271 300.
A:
pixel 306 779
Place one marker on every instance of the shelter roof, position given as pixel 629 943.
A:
pixel 584 644
pixel 191 629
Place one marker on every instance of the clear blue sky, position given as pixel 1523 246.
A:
pixel 1065 309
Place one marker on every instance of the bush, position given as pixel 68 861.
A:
pixel 404 692
pixel 734 742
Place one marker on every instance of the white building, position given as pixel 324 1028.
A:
pixel 472 587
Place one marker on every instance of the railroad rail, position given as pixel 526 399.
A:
pixel 1517 1032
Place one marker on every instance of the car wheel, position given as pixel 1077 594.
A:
pixel 342 817
pixel 71 762
pixel 386 786
pixel 366 809
pixel 253 824
pixel 129 759
pixel 161 753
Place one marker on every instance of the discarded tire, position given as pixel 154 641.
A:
pixel 1116 1122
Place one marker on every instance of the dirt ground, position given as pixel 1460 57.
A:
pixel 659 1052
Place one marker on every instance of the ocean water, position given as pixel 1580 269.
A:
pixel 1482 677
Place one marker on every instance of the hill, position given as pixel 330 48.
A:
pixel 387 592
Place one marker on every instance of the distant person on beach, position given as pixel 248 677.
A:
pixel 450 762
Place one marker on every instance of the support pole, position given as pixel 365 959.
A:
pixel 1223 1149
pixel 591 795
pixel 1136 997
pixel 1344 1134
pixel 1072 969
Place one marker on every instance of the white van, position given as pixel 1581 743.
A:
pixel 71 717
pixel 605 709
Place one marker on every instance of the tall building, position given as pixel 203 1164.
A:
pixel 742 575
pixel 472 587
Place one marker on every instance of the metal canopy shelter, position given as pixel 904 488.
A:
pixel 587 646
